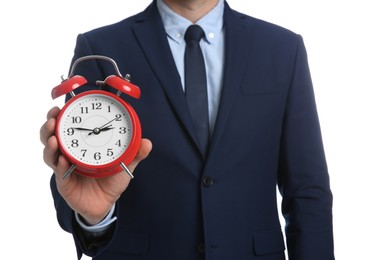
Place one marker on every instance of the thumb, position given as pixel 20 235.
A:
pixel 143 152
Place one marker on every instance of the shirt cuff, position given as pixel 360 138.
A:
pixel 102 225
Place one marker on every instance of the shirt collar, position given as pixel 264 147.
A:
pixel 176 25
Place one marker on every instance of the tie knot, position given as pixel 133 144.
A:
pixel 194 33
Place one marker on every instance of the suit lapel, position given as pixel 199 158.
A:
pixel 237 45
pixel 151 36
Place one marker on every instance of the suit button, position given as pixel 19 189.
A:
pixel 201 248
pixel 207 181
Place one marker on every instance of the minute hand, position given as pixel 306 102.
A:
pixel 114 119
pixel 98 129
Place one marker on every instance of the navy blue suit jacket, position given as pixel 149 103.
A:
pixel 185 206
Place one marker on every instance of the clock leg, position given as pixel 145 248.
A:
pixel 69 171
pixel 124 167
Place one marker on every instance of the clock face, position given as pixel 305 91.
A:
pixel 95 129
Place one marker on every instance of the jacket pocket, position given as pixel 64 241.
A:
pixel 268 242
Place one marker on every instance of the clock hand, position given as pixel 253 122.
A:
pixel 109 127
pixel 82 129
pixel 114 119
pixel 98 130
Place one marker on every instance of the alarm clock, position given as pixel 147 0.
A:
pixel 98 131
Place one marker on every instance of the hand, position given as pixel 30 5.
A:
pixel 89 197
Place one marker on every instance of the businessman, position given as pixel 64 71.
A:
pixel 203 190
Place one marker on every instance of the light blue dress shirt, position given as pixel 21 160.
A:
pixel 212 47
pixel 213 51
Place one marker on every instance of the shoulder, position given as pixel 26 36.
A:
pixel 261 29
pixel 111 30
pixel 122 27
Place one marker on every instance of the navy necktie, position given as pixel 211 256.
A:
pixel 196 85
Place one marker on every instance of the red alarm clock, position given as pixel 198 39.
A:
pixel 97 131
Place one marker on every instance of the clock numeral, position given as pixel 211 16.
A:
pixel 83 151
pixel 74 143
pixel 109 109
pixel 84 110
pixel 76 119
pixel 96 106
pixel 110 152
pixel 70 131
pixel 122 130
pixel 97 156
pixel 118 143
pixel 118 117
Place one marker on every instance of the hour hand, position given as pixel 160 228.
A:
pixel 82 129
pixel 106 128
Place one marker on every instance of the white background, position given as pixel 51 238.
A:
pixel 37 42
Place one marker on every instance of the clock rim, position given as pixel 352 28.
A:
pixel 107 169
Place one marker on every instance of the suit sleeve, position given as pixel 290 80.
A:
pixel 303 175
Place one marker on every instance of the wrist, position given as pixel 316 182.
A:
pixel 93 219
pixel 99 225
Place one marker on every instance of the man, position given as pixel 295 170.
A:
pixel 215 203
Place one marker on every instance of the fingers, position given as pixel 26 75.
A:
pixel 53 113
pixel 62 165
pixel 51 152
pixel 48 139
pixel 48 128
